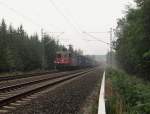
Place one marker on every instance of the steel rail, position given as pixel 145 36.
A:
pixel 18 95
pixel 35 81
pixel 6 78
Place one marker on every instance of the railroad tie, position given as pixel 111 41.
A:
pixel 2 111
pixel 9 107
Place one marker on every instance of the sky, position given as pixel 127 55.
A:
pixel 76 22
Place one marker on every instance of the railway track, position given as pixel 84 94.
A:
pixel 12 94
pixel 19 83
pixel 6 78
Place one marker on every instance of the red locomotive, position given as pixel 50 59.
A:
pixel 72 60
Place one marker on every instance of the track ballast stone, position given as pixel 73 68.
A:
pixel 66 99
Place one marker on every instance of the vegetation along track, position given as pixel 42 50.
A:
pixel 17 94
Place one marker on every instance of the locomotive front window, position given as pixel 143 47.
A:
pixel 58 55
pixel 69 54
pixel 65 56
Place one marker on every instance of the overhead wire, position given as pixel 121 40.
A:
pixel 62 14
pixel 38 25
pixel 22 15
pixel 27 18
pixel 96 38
pixel 80 30
pixel 76 28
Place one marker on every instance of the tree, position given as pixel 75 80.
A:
pixel 132 46
pixel 20 52
pixel 3 44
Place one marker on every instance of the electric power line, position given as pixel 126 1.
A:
pixel 66 18
pixel 96 38
pixel 22 15
pixel 80 30
pixel 27 18
pixel 99 32
pixel 62 14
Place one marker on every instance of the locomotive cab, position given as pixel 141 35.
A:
pixel 63 60
pixel 68 60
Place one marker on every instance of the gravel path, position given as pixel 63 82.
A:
pixel 66 99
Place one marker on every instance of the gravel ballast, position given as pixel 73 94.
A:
pixel 65 99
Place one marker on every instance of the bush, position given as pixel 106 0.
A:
pixel 134 91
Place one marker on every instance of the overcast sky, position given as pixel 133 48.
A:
pixel 69 16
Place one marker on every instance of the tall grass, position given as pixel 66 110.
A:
pixel 129 92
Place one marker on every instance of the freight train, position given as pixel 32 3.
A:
pixel 70 60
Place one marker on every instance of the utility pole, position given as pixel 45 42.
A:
pixel 43 49
pixel 110 53
pixel 107 43
pixel 44 60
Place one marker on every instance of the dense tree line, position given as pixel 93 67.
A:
pixel 133 44
pixel 21 52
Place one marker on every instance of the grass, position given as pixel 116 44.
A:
pixel 94 108
pixel 114 102
pixel 130 93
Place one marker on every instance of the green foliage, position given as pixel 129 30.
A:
pixel 20 52
pixel 133 44
pixel 111 104
pixel 50 47
pixel 135 92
